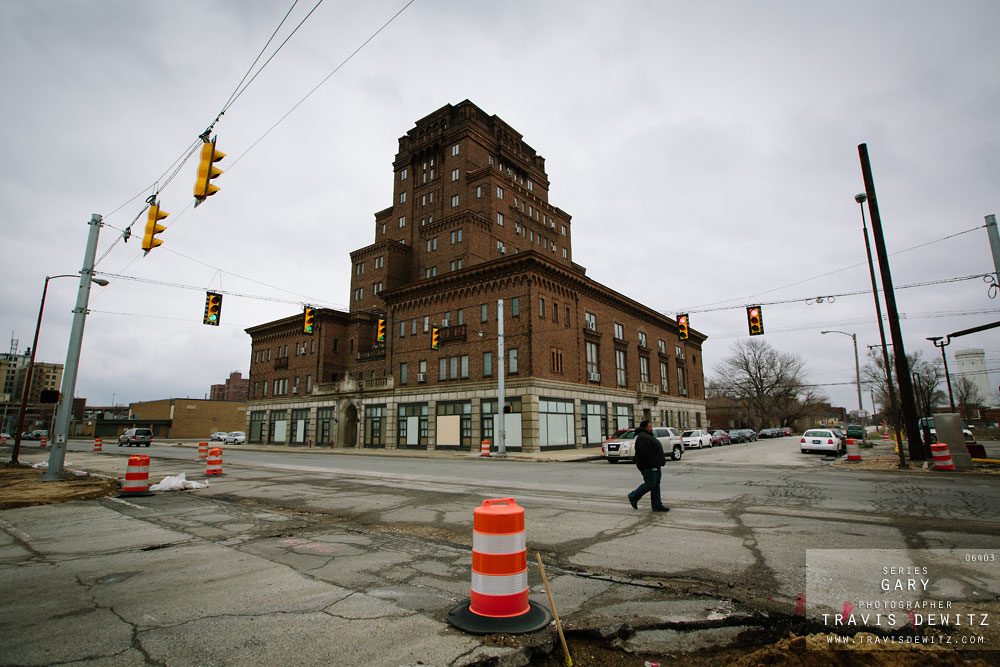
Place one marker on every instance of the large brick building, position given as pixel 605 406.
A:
pixel 470 224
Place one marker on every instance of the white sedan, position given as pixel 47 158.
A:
pixel 696 439
pixel 235 438
pixel 820 440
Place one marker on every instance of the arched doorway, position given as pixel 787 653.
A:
pixel 350 426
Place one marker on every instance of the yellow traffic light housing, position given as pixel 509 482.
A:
pixel 381 330
pixel 755 320
pixel 308 323
pixel 435 338
pixel 682 326
pixel 203 186
pixel 153 227
pixel 213 308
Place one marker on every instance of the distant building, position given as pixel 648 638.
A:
pixel 13 375
pixel 971 364
pixel 177 418
pixel 236 388
pixel 415 362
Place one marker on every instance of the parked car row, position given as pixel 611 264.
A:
pixel 774 432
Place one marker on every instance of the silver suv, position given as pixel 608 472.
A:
pixel 620 446
pixel 138 437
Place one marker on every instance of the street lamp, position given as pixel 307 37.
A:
pixel 31 362
pixel 861 198
pixel 944 358
pixel 857 367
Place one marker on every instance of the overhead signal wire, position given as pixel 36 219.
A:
pixel 322 81
pixel 694 309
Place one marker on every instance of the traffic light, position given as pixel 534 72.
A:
pixel 682 326
pixel 308 317
pixel 153 227
pixel 203 186
pixel 213 308
pixel 755 320
pixel 435 338
pixel 381 330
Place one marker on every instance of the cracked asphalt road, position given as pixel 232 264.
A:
pixel 357 560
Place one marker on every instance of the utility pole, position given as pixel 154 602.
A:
pixel 991 231
pixel 906 398
pixel 65 413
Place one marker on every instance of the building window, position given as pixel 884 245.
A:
pixel 664 378
pixel 402 197
pixel 454 150
pixel 681 386
pixel 663 346
pixel 376 288
pixel 592 363
pixel 402 221
pixel 454 201
pixel 487 364
pixel 591 320
pixel 555 312
pixel 567 316
pixel 461 311
pixel 412 425
pixel 430 272
pixel 403 174
pixel 500 219
pixel 427 323
pixel 402 373
pixel 479 191
pixel 402 329
pixel 483 312
pixel 643 369
pixel 442 368
pixel 359 269
pixel 456 236
pixel 531 186
pixel 515 308
pixel 374 418
pixel 454 174
pixel 642 339
pixel 359 294
pixel 541 307
pixel 383 228
pixel 620 368
pixel 456 264
pixel 512 360
pixel 619 331
pixel 557 361
pixel 563 230
pixel 432 244
pixel 499 192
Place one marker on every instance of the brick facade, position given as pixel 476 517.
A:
pixel 183 417
pixel 438 265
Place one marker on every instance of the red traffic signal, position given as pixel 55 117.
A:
pixel 755 320
pixel 682 326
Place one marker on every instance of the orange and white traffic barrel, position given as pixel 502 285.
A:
pixel 499 601
pixel 3 439
pixel 202 451
pixel 853 450
pixel 98 444
pixel 136 477
pixel 484 448
pixel 213 464
pixel 45 441
pixel 942 457
pixel 885 436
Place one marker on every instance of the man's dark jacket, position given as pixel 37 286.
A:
pixel 648 452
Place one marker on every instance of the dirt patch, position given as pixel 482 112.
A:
pixel 20 486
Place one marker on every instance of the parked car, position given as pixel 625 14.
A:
pixel 737 435
pixel 768 433
pixel 821 440
pixel 235 438
pixel 696 439
pixel 784 431
pixel 720 438
pixel 929 423
pixel 749 434
pixel 218 435
pixel 136 437
pixel 620 446
pixel 856 431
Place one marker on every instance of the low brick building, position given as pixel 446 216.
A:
pixel 179 418
pixel 471 226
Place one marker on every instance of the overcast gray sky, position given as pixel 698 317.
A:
pixel 706 151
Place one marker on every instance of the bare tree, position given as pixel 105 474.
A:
pixel 926 382
pixel 926 379
pixel 767 385
pixel 968 396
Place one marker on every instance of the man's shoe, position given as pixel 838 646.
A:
pixel 661 509
pixel 633 503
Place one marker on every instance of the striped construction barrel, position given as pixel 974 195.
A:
pixel 942 457
pixel 136 477
pixel 499 592
pixel 202 451
pixel 213 464
pixel 853 450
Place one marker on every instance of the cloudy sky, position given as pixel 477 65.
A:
pixel 706 151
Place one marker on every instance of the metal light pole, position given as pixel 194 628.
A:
pixel 857 367
pixel 65 412
pixel 500 435
pixel 944 358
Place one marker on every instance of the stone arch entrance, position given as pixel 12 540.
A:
pixel 349 426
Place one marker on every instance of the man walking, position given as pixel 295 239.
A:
pixel 649 459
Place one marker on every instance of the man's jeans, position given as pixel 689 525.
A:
pixel 650 484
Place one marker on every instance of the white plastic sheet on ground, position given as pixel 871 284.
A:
pixel 177 483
